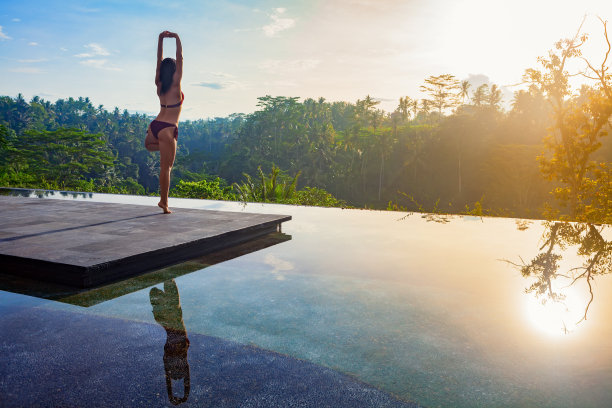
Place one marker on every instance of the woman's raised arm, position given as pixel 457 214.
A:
pixel 160 53
pixel 179 56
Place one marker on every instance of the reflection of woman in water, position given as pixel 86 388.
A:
pixel 168 313
pixel 162 134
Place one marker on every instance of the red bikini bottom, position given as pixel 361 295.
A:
pixel 157 125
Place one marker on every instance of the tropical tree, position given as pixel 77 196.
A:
pixel 442 90
pixel 579 124
pixel 425 106
pixel 385 139
pixel 405 104
pixel 494 97
pixel 64 156
pixel 415 107
pixel 480 95
pixel 465 90
pixel 546 270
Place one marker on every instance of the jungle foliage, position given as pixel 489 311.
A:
pixel 547 152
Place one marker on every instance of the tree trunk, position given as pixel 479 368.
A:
pixel 382 167
pixel 459 173
pixel 363 187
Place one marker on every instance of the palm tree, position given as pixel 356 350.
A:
pixel 494 97
pixel 385 139
pixel 414 104
pixel 464 92
pixel 481 95
pixel 366 113
pixel 425 109
pixel 404 105
pixel 414 157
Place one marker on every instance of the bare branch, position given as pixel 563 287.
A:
pixel 586 272
pixel 590 77
pixel 605 24
pixel 512 263
pixel 592 68
pixel 586 310
pixel 572 45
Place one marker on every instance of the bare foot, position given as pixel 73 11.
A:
pixel 164 207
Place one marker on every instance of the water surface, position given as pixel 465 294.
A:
pixel 428 308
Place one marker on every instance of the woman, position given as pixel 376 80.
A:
pixel 168 313
pixel 162 134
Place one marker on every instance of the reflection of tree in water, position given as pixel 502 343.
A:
pixel 595 251
pixel 168 313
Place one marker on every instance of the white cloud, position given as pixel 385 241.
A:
pixel 478 79
pixel 211 85
pixel 91 57
pixel 31 61
pixel 33 43
pixel 3 36
pixel 282 83
pixel 94 63
pixel 27 70
pixel 279 23
pixel 98 49
pixel 16 20
pixel 220 84
pixel 220 80
pixel 288 66
pixel 99 63
pixel 278 265
pixel 94 50
pixel 219 74
pixel 63 49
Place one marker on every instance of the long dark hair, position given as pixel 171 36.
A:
pixel 166 73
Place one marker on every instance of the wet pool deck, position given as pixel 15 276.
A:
pixel 84 244
pixel 52 358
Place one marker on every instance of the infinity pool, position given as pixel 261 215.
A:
pixel 426 309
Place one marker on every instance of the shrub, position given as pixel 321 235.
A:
pixel 204 189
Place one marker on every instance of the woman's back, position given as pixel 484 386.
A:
pixel 168 77
pixel 171 104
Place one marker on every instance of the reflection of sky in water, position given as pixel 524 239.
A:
pixel 426 310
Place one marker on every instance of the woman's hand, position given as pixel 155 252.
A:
pixel 165 34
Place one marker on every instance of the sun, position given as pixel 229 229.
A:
pixel 556 318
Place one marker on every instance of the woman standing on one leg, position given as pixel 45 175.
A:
pixel 162 134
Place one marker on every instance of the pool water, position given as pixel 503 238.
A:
pixel 429 309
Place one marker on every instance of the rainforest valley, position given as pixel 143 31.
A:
pixel 456 151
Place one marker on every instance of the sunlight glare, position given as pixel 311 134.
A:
pixel 556 318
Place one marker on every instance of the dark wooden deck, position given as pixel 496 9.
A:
pixel 85 244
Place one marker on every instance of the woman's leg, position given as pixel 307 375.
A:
pixel 167 152
pixel 151 143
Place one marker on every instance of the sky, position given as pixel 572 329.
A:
pixel 236 51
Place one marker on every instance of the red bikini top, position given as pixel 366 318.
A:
pixel 176 105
